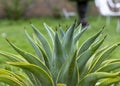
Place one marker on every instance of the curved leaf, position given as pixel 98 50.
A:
pixel 85 56
pixel 14 79
pixel 97 62
pixel 50 32
pixel 42 75
pixel 12 57
pixel 44 42
pixel 38 52
pixel 30 58
pixel 109 81
pixel 110 67
pixel 92 78
pixel 68 73
pixel 89 42
pixel 68 39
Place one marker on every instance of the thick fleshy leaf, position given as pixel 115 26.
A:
pixel 110 67
pixel 29 57
pixel 44 42
pixel 78 30
pixel 58 55
pixel 14 79
pixel 68 39
pixel 12 57
pixel 10 80
pixel 33 79
pixel 109 61
pixel 84 69
pixel 92 78
pixel 37 50
pixel 46 59
pixel 40 73
pixel 89 42
pixel 109 81
pixel 62 33
pixel 68 73
pixel 85 56
pixel 105 55
pixel 61 84
pixel 77 37
pixel 50 32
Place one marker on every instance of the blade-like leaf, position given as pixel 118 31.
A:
pixel 42 75
pixel 12 57
pixel 92 78
pixel 50 32
pixel 68 39
pixel 38 52
pixel 14 79
pixel 86 66
pixel 77 37
pixel 89 42
pixel 110 67
pixel 97 62
pixel 59 56
pixel 30 58
pixel 68 73
pixel 62 33
pixel 85 56
pixel 46 59
pixel 33 79
pixel 10 80
pixel 109 81
pixel 60 84
pixel 44 42
pixel 106 62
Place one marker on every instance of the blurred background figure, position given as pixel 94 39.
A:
pixel 82 7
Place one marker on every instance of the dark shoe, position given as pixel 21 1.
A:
pixel 83 22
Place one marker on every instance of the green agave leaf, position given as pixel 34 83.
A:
pixel 62 33
pixel 78 29
pixel 43 76
pixel 89 42
pixel 68 73
pixel 59 56
pixel 13 79
pixel 85 56
pixel 46 59
pixel 97 62
pixel 12 57
pixel 26 80
pixel 44 42
pixel 100 51
pixel 58 51
pixel 85 68
pixel 33 79
pixel 77 37
pixel 10 80
pixel 50 32
pixel 68 39
pixel 109 81
pixel 60 84
pixel 73 72
pixel 110 67
pixel 38 52
pixel 30 58
pixel 106 62
pixel 92 78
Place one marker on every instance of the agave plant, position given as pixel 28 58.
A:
pixel 60 60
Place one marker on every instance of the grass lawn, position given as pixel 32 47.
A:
pixel 14 30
